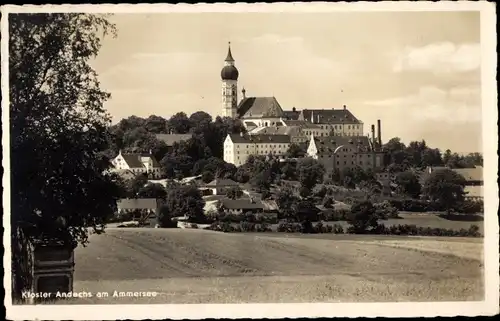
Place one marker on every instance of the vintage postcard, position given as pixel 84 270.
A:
pixel 250 160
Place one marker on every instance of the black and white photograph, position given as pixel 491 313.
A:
pixel 250 160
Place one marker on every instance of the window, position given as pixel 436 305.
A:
pixel 338 162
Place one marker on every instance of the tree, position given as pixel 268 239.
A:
pixel 309 172
pixel 152 191
pixel 408 184
pixel 262 181
pixel 234 193
pixel 363 217
pixel 207 177
pixel 165 217
pixel 155 124
pixel 179 123
pixel 295 151
pixel 136 184
pixel 286 200
pixel 185 201
pixel 58 128
pixel 446 188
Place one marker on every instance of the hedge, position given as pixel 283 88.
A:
pixel 381 229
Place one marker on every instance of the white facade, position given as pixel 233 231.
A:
pixel 137 164
pixel 229 97
pixel 237 153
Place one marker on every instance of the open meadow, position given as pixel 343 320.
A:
pixel 198 266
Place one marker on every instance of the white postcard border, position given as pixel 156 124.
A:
pixel 199 311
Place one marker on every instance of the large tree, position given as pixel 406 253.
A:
pixel 58 127
pixel 309 172
pixel 446 188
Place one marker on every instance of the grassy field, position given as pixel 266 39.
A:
pixel 196 266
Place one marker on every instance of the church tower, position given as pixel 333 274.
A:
pixel 229 76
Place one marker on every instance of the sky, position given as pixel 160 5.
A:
pixel 418 72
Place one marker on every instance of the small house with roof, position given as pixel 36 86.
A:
pixel 220 186
pixel 138 163
pixel 241 206
pixel 141 209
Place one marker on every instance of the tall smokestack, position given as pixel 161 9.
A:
pixel 379 134
pixel 373 136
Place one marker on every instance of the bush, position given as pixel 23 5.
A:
pixel 194 225
pixel 385 210
pixel 406 229
pixel 289 227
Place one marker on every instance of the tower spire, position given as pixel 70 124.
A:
pixel 229 55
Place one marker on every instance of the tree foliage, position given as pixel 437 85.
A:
pixel 58 126
pixel 445 187
pixel 309 172
pixel 60 186
pixel 408 184
pixel 185 200
pixel 363 217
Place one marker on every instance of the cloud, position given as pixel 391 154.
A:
pixel 457 105
pixel 444 57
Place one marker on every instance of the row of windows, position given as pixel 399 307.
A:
pixel 354 163
pixel 308 133
pixel 340 126
pixel 265 146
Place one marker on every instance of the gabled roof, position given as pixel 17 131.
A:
pixel 279 130
pixel 302 124
pixel 137 203
pixel 133 160
pixel 259 107
pixel 328 144
pixel 329 116
pixel 171 139
pixel 222 182
pixel 241 204
pixel 260 139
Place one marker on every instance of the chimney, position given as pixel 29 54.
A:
pixel 379 134
pixel 373 135
pixel 243 92
pixel 294 109
pixel 345 107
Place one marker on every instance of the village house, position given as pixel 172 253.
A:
pixel 219 186
pixel 240 206
pixel 137 164
pixel 141 209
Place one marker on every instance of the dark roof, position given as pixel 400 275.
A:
pixel 241 204
pixel 279 130
pixel 133 160
pixel 171 139
pixel 229 55
pixel 329 116
pixel 259 107
pixel 301 123
pixel 291 114
pixel 221 182
pixel 229 73
pixel 137 203
pixel 251 124
pixel 330 143
pixel 260 139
